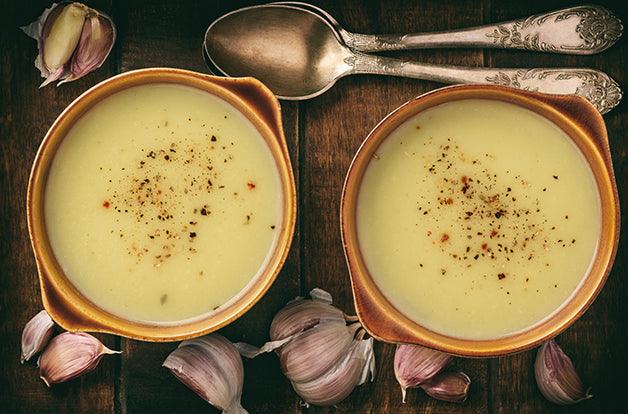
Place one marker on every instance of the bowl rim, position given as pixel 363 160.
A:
pixel 73 310
pixel 583 124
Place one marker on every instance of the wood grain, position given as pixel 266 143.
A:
pixel 593 341
pixel 334 126
pixel 178 45
pixel 323 135
pixel 24 118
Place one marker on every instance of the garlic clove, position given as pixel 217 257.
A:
pixel 69 355
pixel 35 30
pixel 95 44
pixel 211 367
pixel 556 376
pixel 340 380
pixel 72 40
pixel 415 364
pixel 302 314
pixel 36 335
pixel 62 34
pixel 448 386
pixel 325 343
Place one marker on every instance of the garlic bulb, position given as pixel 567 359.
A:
pixel 322 356
pixel 337 383
pixel 448 386
pixel 69 355
pixel 211 367
pixel 36 335
pixel 416 364
pixel 325 343
pixel 73 40
pixel 556 376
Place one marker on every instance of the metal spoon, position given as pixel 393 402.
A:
pixel 582 30
pixel 298 55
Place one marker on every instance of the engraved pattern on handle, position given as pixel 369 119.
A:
pixel 596 28
pixel 376 43
pixel 582 30
pixel 595 86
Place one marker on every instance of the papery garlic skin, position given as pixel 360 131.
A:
pixel 448 386
pixel 36 334
pixel 72 40
pixel 211 367
pixel 415 364
pixel 556 376
pixel 69 355
pixel 340 380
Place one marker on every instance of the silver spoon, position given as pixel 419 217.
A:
pixel 581 30
pixel 298 55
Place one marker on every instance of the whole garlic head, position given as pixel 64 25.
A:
pixel 323 357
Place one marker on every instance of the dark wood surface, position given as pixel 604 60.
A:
pixel 323 135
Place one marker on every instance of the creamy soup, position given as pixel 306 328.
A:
pixel 162 203
pixel 478 218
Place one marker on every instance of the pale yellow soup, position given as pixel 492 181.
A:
pixel 162 203
pixel 478 218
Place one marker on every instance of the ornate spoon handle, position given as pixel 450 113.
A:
pixel 595 86
pixel 582 30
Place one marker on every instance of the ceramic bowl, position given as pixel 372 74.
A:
pixel 73 311
pixel 583 124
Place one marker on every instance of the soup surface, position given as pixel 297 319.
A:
pixel 162 203
pixel 478 218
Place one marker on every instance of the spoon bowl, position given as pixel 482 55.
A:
pixel 295 52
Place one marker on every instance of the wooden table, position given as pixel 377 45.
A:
pixel 323 135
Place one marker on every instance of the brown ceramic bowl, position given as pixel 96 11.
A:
pixel 73 311
pixel 579 119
